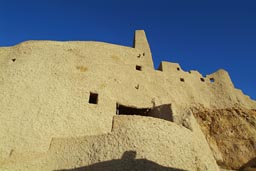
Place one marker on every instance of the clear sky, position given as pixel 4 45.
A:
pixel 199 34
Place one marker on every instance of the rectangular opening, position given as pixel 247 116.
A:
pixel 93 99
pixel 212 80
pixel 127 110
pixel 138 67
pixel 161 112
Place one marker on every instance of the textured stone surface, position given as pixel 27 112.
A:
pixel 231 134
pixel 163 142
pixel 45 88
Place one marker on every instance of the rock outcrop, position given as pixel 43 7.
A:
pixel 231 134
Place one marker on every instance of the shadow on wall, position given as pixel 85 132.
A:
pixel 249 166
pixel 126 163
pixel 162 112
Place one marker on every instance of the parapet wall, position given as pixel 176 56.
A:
pixel 219 77
pixel 213 90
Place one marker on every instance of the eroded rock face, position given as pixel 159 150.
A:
pixel 231 134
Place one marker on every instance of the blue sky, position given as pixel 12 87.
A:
pixel 203 35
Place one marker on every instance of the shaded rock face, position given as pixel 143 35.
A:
pixel 231 134
pixel 249 166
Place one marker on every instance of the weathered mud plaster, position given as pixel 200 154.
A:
pixel 55 90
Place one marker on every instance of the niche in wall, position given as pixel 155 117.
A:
pixel 162 112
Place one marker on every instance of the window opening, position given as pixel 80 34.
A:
pixel 93 99
pixel 212 80
pixel 138 67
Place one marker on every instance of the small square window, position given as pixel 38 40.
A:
pixel 212 80
pixel 182 80
pixel 93 99
pixel 138 67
